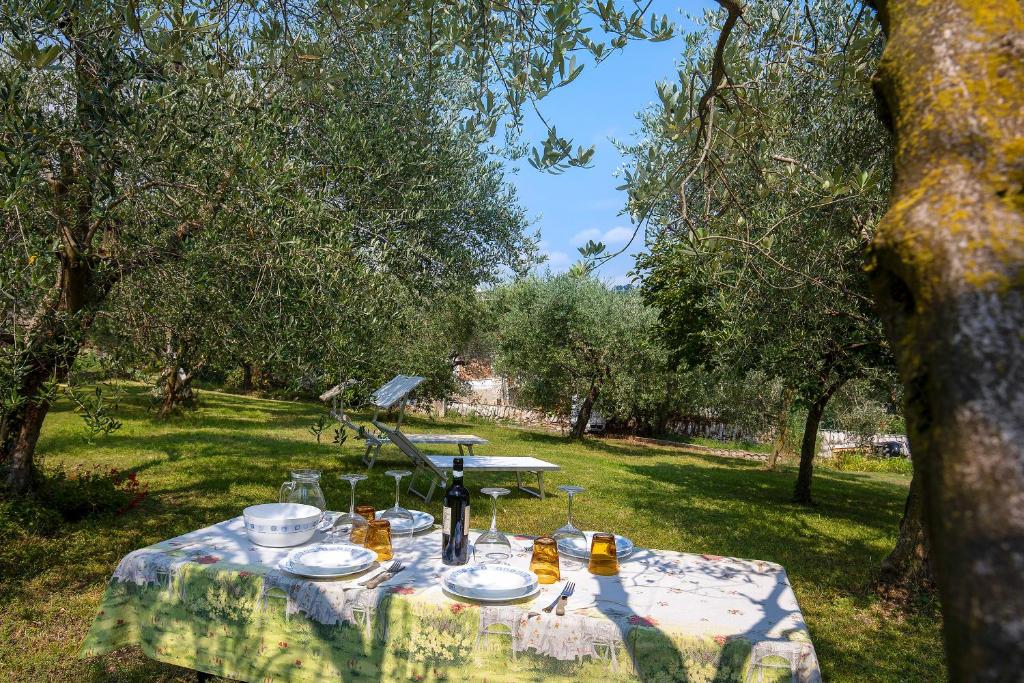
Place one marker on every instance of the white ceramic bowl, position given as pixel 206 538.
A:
pixel 281 525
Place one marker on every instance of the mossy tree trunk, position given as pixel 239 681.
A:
pixel 947 271
pixel 907 567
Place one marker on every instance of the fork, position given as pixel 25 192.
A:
pixel 564 595
pixel 386 576
pixel 390 568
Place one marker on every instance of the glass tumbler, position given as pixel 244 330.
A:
pixel 359 533
pixel 603 558
pixel 378 538
pixel 544 562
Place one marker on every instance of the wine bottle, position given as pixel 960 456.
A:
pixel 455 522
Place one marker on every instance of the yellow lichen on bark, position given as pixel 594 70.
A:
pixel 959 113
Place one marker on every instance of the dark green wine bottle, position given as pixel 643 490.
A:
pixel 455 522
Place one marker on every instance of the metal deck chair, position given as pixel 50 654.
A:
pixel 437 467
pixel 394 392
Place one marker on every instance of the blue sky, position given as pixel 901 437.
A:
pixel 602 103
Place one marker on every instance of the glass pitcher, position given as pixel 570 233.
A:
pixel 304 488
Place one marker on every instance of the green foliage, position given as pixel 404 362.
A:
pixel 761 207
pixel 317 428
pixel 96 411
pixel 560 337
pixel 865 408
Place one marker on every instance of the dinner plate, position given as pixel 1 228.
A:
pixel 421 521
pixel 328 560
pixel 303 573
pixel 491 582
pixel 457 594
pixel 576 549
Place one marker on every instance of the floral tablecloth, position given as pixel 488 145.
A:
pixel 211 600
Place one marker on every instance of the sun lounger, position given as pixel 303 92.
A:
pixel 395 391
pixel 437 467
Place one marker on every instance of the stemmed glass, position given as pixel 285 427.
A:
pixel 568 536
pixel 402 523
pixel 345 524
pixel 492 545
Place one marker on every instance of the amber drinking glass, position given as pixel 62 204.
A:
pixel 544 562
pixel 378 538
pixel 359 533
pixel 603 559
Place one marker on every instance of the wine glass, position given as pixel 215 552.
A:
pixel 351 521
pixel 568 536
pixel 492 545
pixel 402 523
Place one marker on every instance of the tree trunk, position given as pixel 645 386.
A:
pixel 809 445
pixel 49 361
pixel 907 567
pixel 177 391
pixel 246 377
pixel 579 428
pixel 781 430
pixel 53 339
pixel 947 272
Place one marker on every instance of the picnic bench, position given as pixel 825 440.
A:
pixel 436 467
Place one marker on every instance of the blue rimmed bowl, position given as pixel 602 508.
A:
pixel 281 525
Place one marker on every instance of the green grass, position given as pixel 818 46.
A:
pixel 206 466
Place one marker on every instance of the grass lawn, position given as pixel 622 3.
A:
pixel 206 466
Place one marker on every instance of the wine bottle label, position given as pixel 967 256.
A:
pixel 446 521
pixel 465 525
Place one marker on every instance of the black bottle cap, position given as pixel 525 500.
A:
pixel 457 463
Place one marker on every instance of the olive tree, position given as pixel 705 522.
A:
pixel 757 250
pixel 562 339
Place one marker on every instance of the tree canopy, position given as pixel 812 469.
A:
pixel 759 219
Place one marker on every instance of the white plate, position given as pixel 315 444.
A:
pixel 303 573
pixel 531 594
pixel 421 521
pixel 328 559
pixel 491 582
pixel 623 547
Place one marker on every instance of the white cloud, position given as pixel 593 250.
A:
pixel 620 234
pixel 557 260
pixel 583 236
pixel 617 235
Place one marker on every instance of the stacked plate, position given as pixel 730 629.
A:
pixel 580 550
pixel 328 560
pixel 421 521
pixel 492 583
